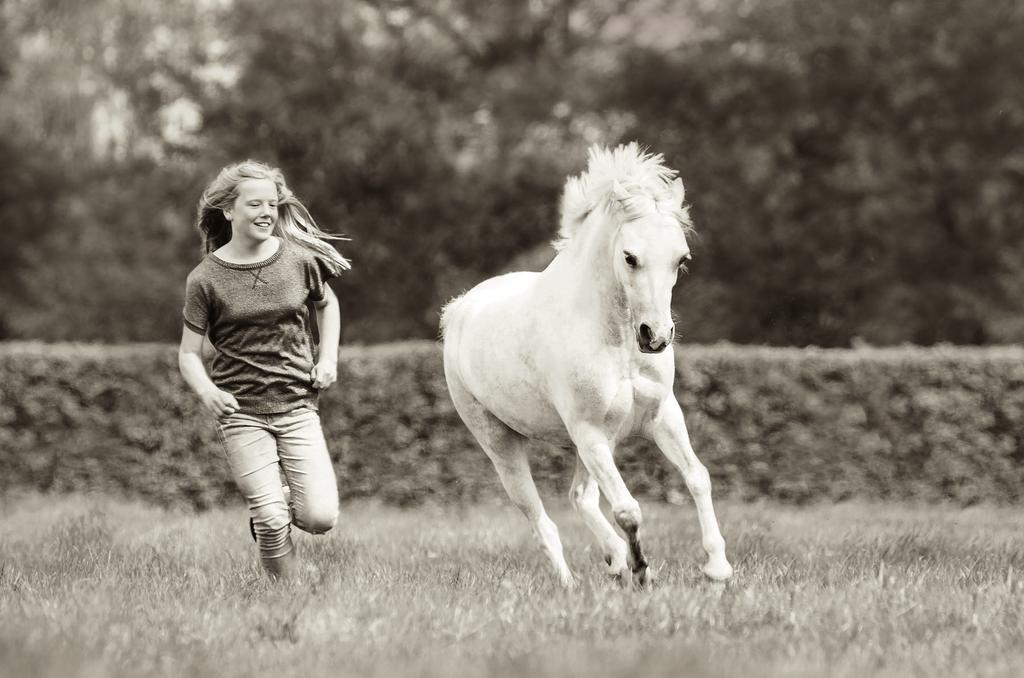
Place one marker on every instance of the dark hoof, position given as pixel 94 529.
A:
pixel 624 578
pixel 643 578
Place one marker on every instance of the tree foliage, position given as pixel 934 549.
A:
pixel 854 167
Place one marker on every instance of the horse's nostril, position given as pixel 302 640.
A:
pixel 646 336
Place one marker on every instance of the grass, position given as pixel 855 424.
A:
pixel 95 587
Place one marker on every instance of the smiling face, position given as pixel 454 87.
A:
pixel 254 212
pixel 650 252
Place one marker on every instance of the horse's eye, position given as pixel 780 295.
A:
pixel 630 260
pixel 683 262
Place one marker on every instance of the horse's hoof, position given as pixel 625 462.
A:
pixel 624 578
pixel 644 579
pixel 718 570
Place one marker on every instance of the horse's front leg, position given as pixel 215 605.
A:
pixel 668 430
pixel 596 454
pixel 586 497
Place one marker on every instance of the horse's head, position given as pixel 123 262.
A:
pixel 642 227
pixel 648 252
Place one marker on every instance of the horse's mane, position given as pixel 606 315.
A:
pixel 642 175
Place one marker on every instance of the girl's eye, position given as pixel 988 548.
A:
pixel 630 260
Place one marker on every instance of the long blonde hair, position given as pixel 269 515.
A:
pixel 294 221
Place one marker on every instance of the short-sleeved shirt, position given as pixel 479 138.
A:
pixel 257 318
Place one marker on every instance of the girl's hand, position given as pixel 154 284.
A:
pixel 324 373
pixel 219 403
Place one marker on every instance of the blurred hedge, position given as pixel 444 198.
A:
pixel 788 424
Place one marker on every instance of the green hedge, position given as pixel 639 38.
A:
pixel 788 424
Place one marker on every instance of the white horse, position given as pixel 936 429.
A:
pixel 580 356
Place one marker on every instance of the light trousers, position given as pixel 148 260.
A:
pixel 256 447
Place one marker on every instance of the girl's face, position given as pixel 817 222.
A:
pixel 254 213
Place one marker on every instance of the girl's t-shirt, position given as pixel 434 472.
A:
pixel 257 318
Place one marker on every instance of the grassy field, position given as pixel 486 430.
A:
pixel 94 587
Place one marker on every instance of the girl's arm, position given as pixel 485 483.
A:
pixel 190 362
pixel 328 319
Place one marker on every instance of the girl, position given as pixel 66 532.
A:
pixel 265 258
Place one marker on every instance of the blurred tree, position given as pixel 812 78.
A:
pixel 851 165
pixel 103 200
pixel 854 167
pixel 31 182
pixel 428 132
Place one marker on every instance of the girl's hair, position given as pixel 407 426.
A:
pixel 294 221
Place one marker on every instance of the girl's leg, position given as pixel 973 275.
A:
pixel 252 456
pixel 308 469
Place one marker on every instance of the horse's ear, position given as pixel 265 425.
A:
pixel 678 192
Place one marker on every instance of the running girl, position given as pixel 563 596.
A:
pixel 265 259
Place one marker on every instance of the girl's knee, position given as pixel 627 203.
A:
pixel 272 517
pixel 318 519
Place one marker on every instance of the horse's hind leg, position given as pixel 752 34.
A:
pixel 507 451
pixel 514 470
pixel 586 497
pixel 668 429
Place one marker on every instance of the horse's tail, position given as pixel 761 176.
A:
pixel 446 314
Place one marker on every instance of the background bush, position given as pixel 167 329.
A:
pixel 788 424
